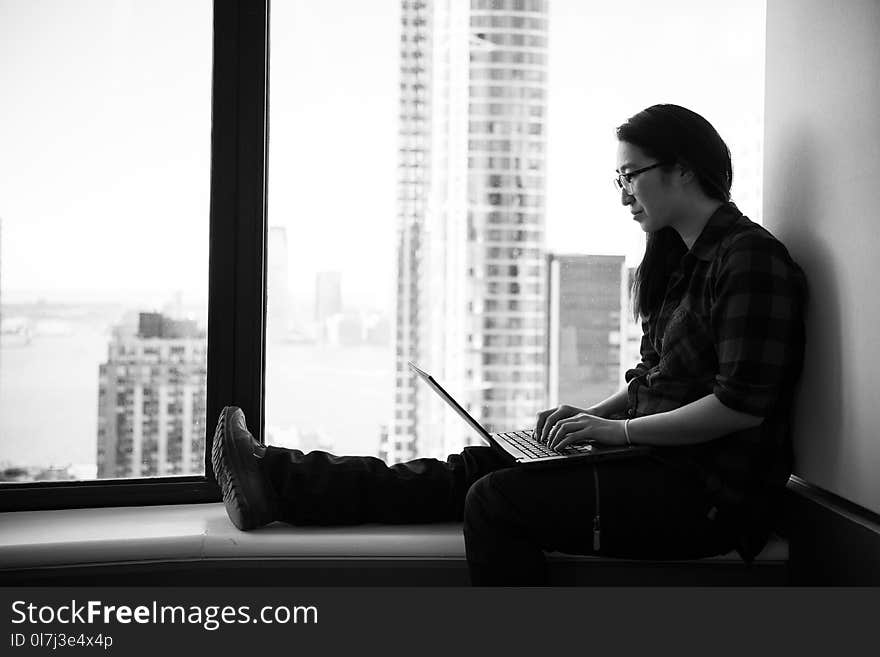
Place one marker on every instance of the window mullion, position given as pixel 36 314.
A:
pixel 238 213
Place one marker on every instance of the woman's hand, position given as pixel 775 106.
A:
pixel 568 425
pixel 547 419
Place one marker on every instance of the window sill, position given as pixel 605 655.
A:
pixel 199 537
pixel 202 531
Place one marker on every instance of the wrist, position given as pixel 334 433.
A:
pixel 595 410
pixel 616 434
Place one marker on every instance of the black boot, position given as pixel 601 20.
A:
pixel 235 456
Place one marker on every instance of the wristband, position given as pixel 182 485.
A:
pixel 626 431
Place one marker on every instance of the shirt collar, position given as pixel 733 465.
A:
pixel 714 230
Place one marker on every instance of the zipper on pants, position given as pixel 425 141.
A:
pixel 597 530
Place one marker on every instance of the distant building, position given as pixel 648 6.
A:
pixel 386 449
pixel 1 278
pixel 292 437
pixel 157 325
pixel 377 329
pixel 328 295
pixel 278 304
pixel 328 304
pixel 587 327
pixel 632 344
pixel 151 400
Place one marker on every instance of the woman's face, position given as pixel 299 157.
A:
pixel 651 194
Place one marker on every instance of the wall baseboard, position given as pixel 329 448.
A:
pixel 832 541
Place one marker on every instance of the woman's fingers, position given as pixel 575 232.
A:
pixel 548 419
pixel 542 421
pixel 573 438
pixel 566 427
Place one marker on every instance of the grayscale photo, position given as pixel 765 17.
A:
pixel 433 294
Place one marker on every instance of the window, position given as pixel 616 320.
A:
pixel 193 90
pixel 105 209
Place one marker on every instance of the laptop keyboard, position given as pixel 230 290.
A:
pixel 525 441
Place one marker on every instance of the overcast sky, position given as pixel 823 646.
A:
pixel 105 133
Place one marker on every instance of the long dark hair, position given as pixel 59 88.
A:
pixel 674 135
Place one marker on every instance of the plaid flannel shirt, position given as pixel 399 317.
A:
pixel 731 324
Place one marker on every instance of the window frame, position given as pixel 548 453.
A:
pixel 236 268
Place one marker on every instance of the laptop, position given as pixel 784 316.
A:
pixel 521 446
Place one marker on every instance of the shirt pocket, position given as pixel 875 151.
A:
pixel 688 348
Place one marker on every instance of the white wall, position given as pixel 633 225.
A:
pixel 822 199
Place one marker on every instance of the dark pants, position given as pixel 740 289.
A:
pixel 511 514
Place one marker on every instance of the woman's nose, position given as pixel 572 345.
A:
pixel 625 197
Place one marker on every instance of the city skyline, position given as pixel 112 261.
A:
pixel 54 327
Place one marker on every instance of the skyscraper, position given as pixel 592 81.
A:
pixel 328 301
pixel 328 295
pixel 471 264
pixel 587 327
pixel 151 400
pixel 398 443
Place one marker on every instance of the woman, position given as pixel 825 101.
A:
pixel 721 304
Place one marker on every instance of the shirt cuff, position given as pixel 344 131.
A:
pixel 638 370
pixel 754 399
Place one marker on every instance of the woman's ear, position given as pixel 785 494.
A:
pixel 686 174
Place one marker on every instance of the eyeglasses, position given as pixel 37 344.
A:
pixel 624 180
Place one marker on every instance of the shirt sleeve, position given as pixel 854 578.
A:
pixel 757 319
pixel 650 357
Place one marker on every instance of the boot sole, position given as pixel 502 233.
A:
pixel 224 455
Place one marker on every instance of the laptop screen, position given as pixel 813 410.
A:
pixel 449 400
